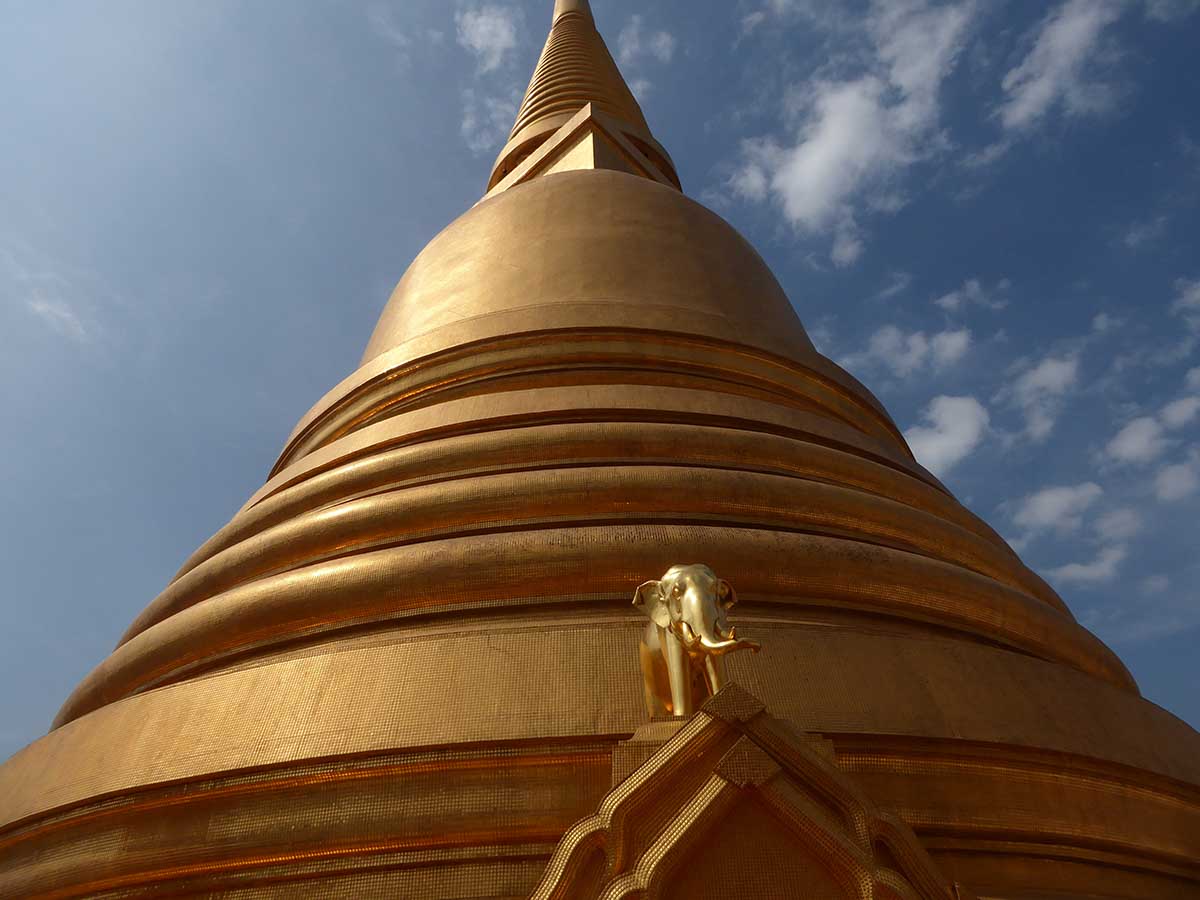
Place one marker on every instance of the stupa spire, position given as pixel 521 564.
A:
pixel 562 7
pixel 577 74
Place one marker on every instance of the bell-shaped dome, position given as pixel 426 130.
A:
pixel 581 249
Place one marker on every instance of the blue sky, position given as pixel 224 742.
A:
pixel 987 210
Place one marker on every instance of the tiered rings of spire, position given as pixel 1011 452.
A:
pixel 575 70
pixel 409 666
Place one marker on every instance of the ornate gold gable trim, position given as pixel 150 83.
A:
pixel 737 804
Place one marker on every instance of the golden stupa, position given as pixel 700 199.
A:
pixel 411 665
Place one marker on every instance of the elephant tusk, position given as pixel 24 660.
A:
pixel 687 636
pixel 719 646
pixel 722 647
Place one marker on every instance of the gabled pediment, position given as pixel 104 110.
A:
pixel 738 804
pixel 589 139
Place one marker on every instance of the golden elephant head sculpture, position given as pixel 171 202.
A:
pixel 687 636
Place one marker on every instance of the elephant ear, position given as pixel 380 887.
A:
pixel 650 597
pixel 725 593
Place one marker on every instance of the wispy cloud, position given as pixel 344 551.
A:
pixel 1068 70
pixel 905 353
pixel 1059 509
pixel 1187 302
pixel 854 136
pixel 952 428
pixel 1170 10
pixel 1145 439
pixel 62 297
pixel 1145 232
pixel 1060 72
pixel 639 47
pixel 1141 441
pixel 1098 571
pixel 636 43
pixel 1039 390
pixel 973 293
pixel 1056 73
pixel 821 13
pixel 60 317
pixel 1176 482
pixel 1181 412
pixel 1154 584
pixel 382 19
pixel 486 119
pixel 1119 525
pixel 489 32
pixel 898 283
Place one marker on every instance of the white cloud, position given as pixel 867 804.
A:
pixel 1144 439
pixel 753 20
pixel 662 46
pixel 903 354
pixel 857 135
pixel 486 120
pixel 750 183
pixel 979 159
pixel 898 283
pixel 973 293
pixel 906 353
pixel 1170 10
pixel 1187 301
pixel 1039 391
pixel 1100 570
pixel 843 143
pixel 1056 70
pixel 1058 508
pixel 1140 233
pixel 847 244
pixel 1053 375
pixel 60 317
pixel 950 346
pixel 822 333
pixel 1192 379
pixel 383 23
pixel 1155 584
pixel 74 301
pixel 824 13
pixel 1156 354
pixel 641 88
pixel 1180 412
pixel 1141 441
pixel 489 32
pixel 1177 482
pixel 1118 525
pixel 1102 323
pixel 635 43
pixel 954 428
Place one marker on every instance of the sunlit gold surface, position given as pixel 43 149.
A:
pixel 409 664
